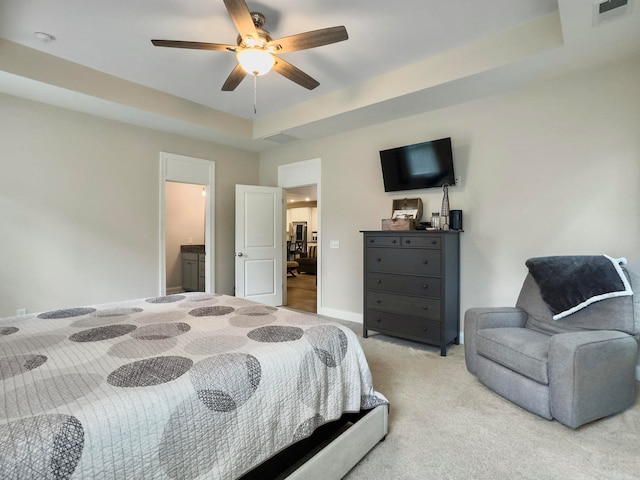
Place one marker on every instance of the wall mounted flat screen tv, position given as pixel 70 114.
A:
pixel 421 165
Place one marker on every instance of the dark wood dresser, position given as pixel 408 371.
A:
pixel 412 284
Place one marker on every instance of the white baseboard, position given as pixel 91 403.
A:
pixel 341 315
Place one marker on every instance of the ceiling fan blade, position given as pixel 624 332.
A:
pixel 294 74
pixel 234 79
pixel 241 18
pixel 303 41
pixel 194 45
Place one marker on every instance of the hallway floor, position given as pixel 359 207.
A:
pixel 302 292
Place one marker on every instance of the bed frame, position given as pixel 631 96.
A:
pixel 328 454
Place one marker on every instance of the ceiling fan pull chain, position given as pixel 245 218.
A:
pixel 255 93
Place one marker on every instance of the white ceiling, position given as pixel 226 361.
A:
pixel 302 194
pixel 401 58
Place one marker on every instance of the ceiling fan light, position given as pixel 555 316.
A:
pixel 255 61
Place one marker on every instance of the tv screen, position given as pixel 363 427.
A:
pixel 422 165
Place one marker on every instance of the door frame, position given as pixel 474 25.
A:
pixel 197 171
pixel 302 174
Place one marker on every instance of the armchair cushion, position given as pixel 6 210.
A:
pixel 522 350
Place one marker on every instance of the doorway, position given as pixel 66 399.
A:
pixel 302 247
pixel 184 237
pixel 199 172
pixel 301 174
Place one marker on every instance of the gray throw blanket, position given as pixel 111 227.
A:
pixel 570 283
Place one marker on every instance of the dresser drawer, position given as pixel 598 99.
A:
pixel 408 284
pixel 428 241
pixel 384 241
pixel 405 260
pixel 400 324
pixel 392 302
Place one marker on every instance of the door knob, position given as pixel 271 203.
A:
pixel 239 254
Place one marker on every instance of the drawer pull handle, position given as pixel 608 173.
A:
pixel 424 329
pixel 425 261
pixel 393 241
pixel 433 242
pixel 425 286
pixel 378 301
pixel 407 241
pixel 379 282
pixel 425 308
pixel 372 241
pixel 379 259
pixel 379 320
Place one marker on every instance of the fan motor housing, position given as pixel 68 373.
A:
pixel 265 37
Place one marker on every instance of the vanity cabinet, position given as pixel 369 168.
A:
pixel 193 271
pixel 411 285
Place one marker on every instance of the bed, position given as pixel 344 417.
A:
pixel 188 386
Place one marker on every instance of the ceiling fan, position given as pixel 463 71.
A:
pixel 257 52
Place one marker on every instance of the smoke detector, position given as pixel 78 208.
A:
pixel 607 10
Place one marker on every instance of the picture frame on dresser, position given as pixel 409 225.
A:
pixel 412 285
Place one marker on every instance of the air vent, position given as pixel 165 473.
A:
pixel 607 10
pixel 281 138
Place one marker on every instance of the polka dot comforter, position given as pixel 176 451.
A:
pixel 189 386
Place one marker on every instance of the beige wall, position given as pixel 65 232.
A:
pixel 79 206
pixel 550 169
pixel 184 225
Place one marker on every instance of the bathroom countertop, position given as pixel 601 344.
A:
pixel 192 248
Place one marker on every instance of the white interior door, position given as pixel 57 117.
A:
pixel 259 244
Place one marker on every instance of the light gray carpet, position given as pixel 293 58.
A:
pixel 444 424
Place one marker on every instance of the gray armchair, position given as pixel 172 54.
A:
pixel 575 369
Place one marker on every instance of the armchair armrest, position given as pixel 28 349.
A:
pixel 479 318
pixel 591 375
